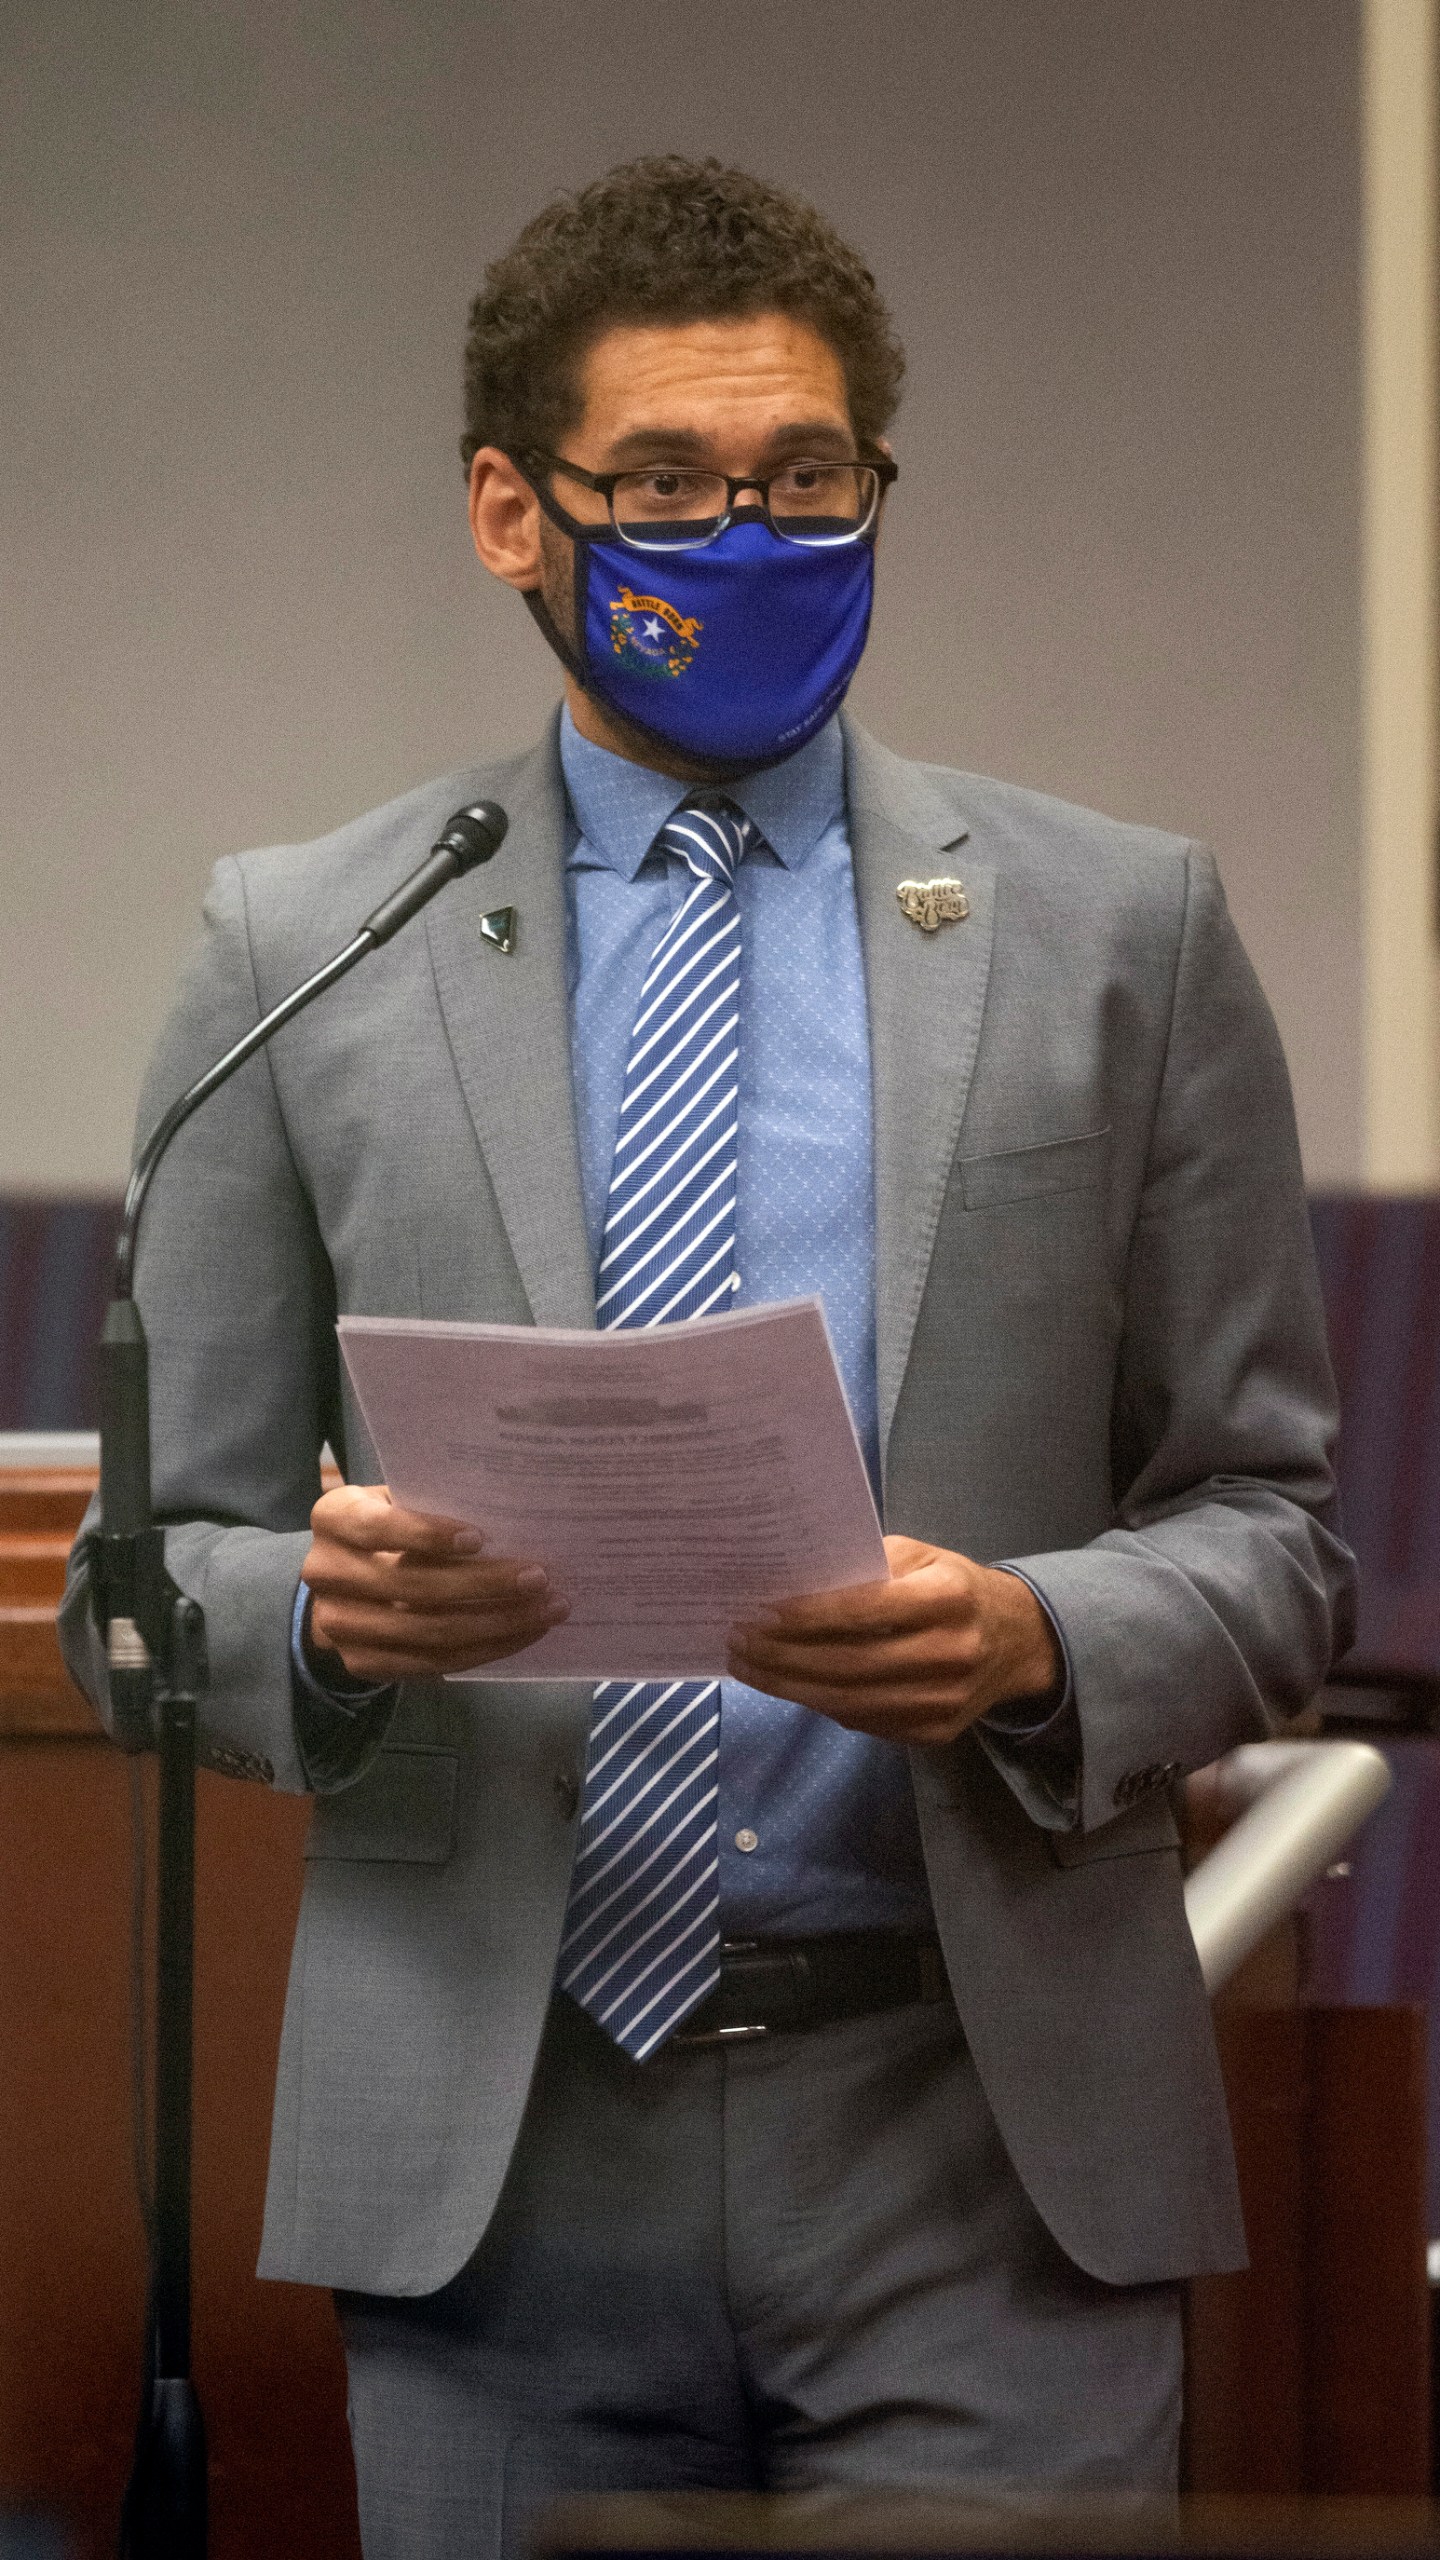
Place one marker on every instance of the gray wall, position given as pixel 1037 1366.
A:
pixel 1120 237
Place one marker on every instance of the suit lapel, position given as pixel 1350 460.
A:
pixel 926 996
pixel 507 1018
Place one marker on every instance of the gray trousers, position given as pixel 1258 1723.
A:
pixel 799 2263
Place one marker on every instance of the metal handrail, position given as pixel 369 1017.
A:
pixel 1291 1806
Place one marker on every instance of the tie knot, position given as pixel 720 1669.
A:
pixel 711 837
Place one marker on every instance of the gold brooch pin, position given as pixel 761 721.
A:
pixel 931 903
pixel 499 927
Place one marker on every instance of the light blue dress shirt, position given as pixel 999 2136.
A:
pixel 831 1814
pixel 817 1825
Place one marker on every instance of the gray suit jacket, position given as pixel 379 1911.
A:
pixel 1101 1356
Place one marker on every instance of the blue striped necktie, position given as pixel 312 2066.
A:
pixel 642 1935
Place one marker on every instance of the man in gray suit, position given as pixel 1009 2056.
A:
pixel 803 2079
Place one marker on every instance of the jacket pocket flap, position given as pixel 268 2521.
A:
pixel 1150 1824
pixel 403 1808
pixel 1027 1173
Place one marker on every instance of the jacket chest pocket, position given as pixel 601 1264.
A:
pixel 1035 1172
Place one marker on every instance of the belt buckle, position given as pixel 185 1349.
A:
pixel 718 2035
pixel 736 2033
pixel 724 2035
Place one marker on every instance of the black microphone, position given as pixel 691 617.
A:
pixel 469 838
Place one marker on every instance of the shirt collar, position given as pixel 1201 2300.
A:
pixel 620 807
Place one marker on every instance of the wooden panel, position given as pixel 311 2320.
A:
pixel 27 1568
pixel 1245 2373
pixel 71 2261
pixel 267 2357
pixel 34 1500
pixel 1368 2307
pixel 1311 2370
pixel 40 1511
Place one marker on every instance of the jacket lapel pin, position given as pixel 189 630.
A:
pixel 499 927
pixel 931 903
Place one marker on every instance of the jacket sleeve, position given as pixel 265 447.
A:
pixel 238 1301
pixel 1210 1611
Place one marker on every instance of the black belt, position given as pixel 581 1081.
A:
pixel 775 1986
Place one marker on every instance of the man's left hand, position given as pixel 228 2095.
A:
pixel 915 1659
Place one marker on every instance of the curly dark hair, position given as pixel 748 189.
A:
pixel 663 240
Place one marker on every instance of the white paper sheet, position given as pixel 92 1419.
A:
pixel 671 1480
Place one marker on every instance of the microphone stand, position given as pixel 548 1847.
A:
pixel 154 1638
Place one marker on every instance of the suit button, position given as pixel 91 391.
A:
pixel 567 1794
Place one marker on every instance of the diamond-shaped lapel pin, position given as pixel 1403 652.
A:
pixel 499 927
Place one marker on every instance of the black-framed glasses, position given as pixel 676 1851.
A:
pixel 675 507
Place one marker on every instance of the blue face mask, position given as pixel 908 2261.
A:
pixel 733 654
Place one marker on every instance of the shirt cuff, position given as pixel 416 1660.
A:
pixel 1037 1743
pixel 1017 1718
pixel 346 1695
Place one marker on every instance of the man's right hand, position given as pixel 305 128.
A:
pixel 399 1596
